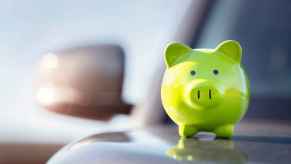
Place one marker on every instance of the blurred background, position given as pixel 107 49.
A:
pixel 33 29
pixel 74 68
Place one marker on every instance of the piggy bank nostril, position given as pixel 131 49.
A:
pixel 198 94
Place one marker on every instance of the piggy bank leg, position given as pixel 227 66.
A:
pixel 187 130
pixel 225 131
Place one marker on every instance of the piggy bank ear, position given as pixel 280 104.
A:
pixel 231 49
pixel 173 51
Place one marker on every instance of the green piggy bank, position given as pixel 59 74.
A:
pixel 205 89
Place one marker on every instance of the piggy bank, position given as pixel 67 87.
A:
pixel 205 89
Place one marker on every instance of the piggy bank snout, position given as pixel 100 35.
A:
pixel 203 95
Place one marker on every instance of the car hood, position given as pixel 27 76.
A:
pixel 255 141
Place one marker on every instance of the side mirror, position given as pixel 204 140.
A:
pixel 83 81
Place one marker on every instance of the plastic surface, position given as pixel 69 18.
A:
pixel 205 89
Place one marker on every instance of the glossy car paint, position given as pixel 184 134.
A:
pixel 255 142
pixel 205 89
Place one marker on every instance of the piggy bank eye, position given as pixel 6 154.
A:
pixel 193 73
pixel 215 72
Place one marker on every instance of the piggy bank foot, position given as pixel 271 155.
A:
pixel 225 131
pixel 187 131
